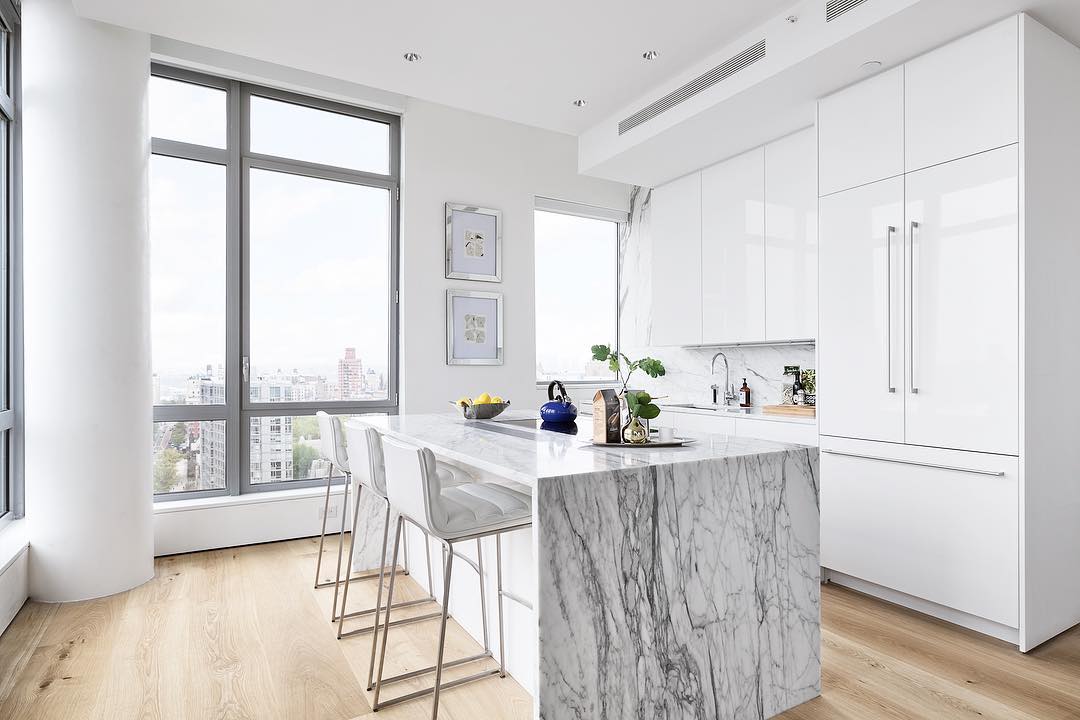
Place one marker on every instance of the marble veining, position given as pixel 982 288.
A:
pixel 680 591
pixel 688 377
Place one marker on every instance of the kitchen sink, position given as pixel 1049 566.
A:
pixel 713 408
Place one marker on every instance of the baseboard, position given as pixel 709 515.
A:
pixel 195 525
pixel 926 607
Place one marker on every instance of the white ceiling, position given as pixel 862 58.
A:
pixel 518 61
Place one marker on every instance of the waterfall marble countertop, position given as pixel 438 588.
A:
pixel 669 582
pixel 514 448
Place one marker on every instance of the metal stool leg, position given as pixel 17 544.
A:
pixel 499 585
pixel 386 619
pixel 352 549
pixel 378 602
pixel 483 595
pixel 322 533
pixel 341 541
pixel 442 630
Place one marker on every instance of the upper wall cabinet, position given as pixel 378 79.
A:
pixel 861 133
pixel 733 250
pixel 963 98
pixel 676 262
pixel 791 246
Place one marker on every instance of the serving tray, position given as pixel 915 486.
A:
pixel 677 442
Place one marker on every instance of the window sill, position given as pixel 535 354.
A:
pixel 170 506
pixel 581 383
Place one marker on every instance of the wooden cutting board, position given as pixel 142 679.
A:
pixel 792 410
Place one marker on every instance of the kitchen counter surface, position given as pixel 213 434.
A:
pixel 512 447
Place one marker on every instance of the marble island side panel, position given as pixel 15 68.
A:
pixel 686 590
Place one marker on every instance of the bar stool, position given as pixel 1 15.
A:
pixel 364 447
pixel 451 515
pixel 332 447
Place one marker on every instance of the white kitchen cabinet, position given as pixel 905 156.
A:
pixel 962 98
pixel 861 133
pixel 861 325
pixel 940 525
pixel 695 423
pixel 964 304
pixel 791 244
pixel 799 433
pixel 676 255
pixel 733 250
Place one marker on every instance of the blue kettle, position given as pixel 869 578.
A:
pixel 559 408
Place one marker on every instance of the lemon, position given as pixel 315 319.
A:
pixel 482 399
pixel 496 400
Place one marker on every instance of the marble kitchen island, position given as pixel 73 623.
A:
pixel 669 583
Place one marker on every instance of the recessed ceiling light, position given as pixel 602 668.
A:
pixel 412 57
pixel 870 66
pixel 650 54
pixel 580 102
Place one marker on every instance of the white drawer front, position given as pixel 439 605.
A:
pixel 937 524
pixel 694 423
pixel 785 432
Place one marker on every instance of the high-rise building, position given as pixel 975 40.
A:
pixel 350 376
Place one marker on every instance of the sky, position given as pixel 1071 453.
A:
pixel 319 249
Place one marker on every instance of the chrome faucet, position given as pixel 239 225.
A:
pixel 729 389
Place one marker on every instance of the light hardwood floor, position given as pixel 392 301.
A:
pixel 241 634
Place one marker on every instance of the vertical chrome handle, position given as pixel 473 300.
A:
pixel 889 230
pixel 912 309
pixel 245 367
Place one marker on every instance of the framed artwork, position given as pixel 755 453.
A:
pixel 473 243
pixel 474 330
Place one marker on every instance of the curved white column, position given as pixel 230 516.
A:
pixel 89 505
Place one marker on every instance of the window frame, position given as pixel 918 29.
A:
pixel 239 410
pixel 12 476
pixel 621 218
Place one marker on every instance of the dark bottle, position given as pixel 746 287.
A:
pixel 798 392
pixel 744 394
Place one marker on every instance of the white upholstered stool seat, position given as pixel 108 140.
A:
pixel 478 507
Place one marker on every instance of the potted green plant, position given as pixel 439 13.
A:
pixel 640 406
pixel 624 368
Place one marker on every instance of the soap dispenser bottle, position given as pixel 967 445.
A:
pixel 744 394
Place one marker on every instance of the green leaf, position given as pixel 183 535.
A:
pixel 644 397
pixel 652 367
pixel 648 411
pixel 613 364
pixel 601 352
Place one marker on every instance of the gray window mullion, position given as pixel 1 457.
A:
pixel 190 413
pixel 236 435
pixel 189 151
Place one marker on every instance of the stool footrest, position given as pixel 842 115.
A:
pixel 365 576
pixel 431 668
pixel 371 611
pixel 393 623
pixel 444 686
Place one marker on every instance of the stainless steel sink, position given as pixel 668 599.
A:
pixel 713 408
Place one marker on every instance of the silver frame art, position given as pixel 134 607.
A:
pixel 481 327
pixel 481 245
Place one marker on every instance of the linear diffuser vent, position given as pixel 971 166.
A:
pixel 836 8
pixel 724 70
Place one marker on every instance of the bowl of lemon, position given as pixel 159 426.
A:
pixel 481 407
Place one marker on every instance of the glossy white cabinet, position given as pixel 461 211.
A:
pixel 861 325
pixel 791 243
pixel 676 255
pixel 861 133
pixel 940 525
pixel 694 423
pixel 963 98
pixel 777 431
pixel 964 303
pixel 733 250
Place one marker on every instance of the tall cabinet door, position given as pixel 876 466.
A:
pixel 861 318
pixel 791 262
pixel 733 250
pixel 962 374
pixel 676 258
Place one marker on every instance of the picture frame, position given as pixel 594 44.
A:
pixel 474 328
pixel 473 243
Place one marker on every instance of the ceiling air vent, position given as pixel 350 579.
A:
pixel 836 8
pixel 724 70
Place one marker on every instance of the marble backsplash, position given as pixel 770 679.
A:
pixel 688 378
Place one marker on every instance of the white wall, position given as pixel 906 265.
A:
pixel 88 402
pixel 455 156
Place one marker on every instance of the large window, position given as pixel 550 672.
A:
pixel 273 228
pixel 577 296
pixel 11 504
